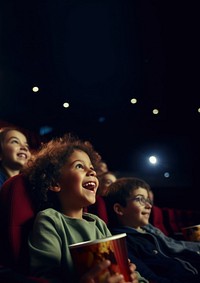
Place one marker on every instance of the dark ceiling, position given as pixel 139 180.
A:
pixel 97 55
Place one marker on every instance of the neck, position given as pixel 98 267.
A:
pixel 11 172
pixel 73 213
pixel 140 229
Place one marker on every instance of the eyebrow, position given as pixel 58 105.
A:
pixel 13 137
pixel 82 161
pixel 140 195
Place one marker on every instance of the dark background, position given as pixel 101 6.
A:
pixel 97 55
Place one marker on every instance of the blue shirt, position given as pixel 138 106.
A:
pixel 162 259
pixel 3 178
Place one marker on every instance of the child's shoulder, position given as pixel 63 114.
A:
pixel 52 213
pixel 49 213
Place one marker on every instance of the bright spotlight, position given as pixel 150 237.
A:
pixel 65 104
pixel 153 159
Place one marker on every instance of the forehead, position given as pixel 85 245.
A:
pixel 79 155
pixel 15 134
pixel 140 191
pixel 103 166
pixel 109 177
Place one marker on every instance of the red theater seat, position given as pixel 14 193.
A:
pixel 16 218
pixel 157 219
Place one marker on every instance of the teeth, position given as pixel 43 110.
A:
pixel 22 155
pixel 89 185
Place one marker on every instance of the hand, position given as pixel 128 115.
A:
pixel 133 273
pixel 89 277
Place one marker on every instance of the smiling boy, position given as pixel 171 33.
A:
pixel 159 258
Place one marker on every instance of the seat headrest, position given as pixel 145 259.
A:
pixel 16 218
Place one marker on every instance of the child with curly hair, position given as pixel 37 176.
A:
pixel 63 182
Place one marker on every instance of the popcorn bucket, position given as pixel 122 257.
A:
pixel 85 255
pixel 191 233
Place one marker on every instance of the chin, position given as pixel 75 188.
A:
pixel 145 223
pixel 90 202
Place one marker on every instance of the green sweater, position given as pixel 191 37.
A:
pixel 48 243
pixel 52 233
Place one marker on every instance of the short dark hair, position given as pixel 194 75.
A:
pixel 120 191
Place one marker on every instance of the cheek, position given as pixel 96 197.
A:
pixel 10 149
pixel 29 154
pixel 8 152
pixel 133 212
pixel 136 211
pixel 69 181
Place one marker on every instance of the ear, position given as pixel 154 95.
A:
pixel 55 189
pixel 118 209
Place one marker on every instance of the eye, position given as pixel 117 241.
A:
pixel 138 199
pixel 27 146
pixel 107 182
pixel 79 166
pixel 15 141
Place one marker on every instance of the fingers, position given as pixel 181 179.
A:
pixel 133 272
pixel 134 277
pixel 89 277
pixel 132 267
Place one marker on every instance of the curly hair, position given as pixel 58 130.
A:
pixel 43 169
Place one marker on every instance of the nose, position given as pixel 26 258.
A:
pixel 24 147
pixel 148 205
pixel 92 172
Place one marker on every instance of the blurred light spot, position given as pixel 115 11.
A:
pixel 65 104
pixel 166 175
pixel 101 119
pixel 45 130
pixel 35 89
pixel 133 100
pixel 155 111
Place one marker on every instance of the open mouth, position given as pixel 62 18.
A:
pixel 22 155
pixel 91 186
pixel 146 214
